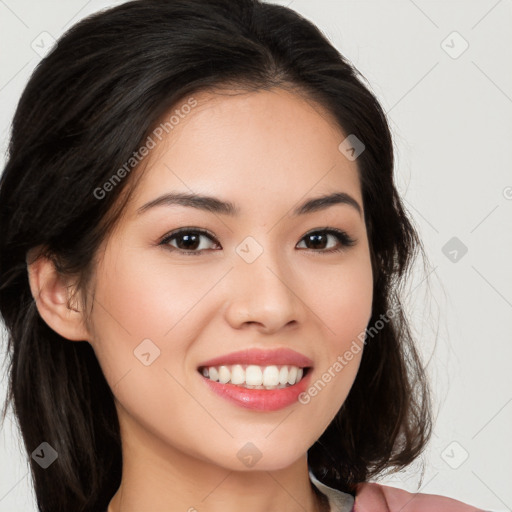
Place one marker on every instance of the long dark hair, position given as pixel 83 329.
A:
pixel 89 105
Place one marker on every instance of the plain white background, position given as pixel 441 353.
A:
pixel 442 71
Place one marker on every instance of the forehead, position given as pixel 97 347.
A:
pixel 269 145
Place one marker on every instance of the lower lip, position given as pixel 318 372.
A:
pixel 260 399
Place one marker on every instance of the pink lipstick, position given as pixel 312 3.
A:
pixel 287 371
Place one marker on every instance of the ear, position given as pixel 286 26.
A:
pixel 52 294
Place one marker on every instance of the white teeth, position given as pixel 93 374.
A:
pixel 283 375
pixel 213 373
pixel 254 376
pixel 292 375
pixel 237 374
pixel 224 374
pixel 271 376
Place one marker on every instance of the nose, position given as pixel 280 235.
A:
pixel 264 294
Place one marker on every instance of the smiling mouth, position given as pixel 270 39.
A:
pixel 254 376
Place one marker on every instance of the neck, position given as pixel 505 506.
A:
pixel 159 477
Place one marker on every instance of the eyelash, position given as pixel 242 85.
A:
pixel 345 240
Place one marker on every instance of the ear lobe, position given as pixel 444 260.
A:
pixel 51 292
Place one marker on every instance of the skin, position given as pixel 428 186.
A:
pixel 180 440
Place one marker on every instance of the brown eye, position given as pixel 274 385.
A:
pixel 318 240
pixel 187 240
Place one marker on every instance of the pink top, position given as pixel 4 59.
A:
pixel 372 497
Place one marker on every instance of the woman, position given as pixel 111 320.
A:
pixel 176 324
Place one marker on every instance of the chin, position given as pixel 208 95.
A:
pixel 266 455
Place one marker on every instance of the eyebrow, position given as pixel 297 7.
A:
pixel 215 205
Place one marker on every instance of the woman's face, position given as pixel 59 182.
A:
pixel 267 279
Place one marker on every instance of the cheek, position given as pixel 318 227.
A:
pixel 343 302
pixel 134 312
pixel 342 299
pixel 141 300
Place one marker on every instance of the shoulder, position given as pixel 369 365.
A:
pixel 372 497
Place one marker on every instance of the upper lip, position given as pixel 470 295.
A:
pixel 261 357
